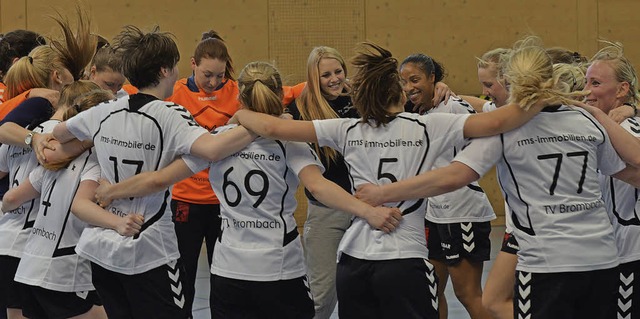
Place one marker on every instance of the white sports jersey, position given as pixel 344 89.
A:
pixel 135 134
pixel 121 93
pixel 467 204
pixel 548 172
pixel 15 225
pixel 489 106
pixel 623 207
pixel 405 147
pixel 259 239
pixel 49 260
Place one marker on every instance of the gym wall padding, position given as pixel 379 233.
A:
pixel 453 32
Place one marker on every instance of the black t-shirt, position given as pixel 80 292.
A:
pixel 30 112
pixel 335 171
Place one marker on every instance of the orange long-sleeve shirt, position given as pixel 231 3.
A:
pixel 3 88
pixel 210 111
pixel 9 105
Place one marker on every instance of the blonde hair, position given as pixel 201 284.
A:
pixel 571 77
pixel 73 54
pixel 70 92
pixel 86 101
pixel 312 103
pixel 622 67
pixel 81 102
pixel 530 75
pixel 562 55
pixel 496 58
pixel 260 88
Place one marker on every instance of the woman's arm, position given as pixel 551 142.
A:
pixel 627 145
pixel 144 183
pixel 332 195
pixel 501 120
pixel 18 195
pixel 60 155
pixel 431 183
pixel 275 128
pixel 622 112
pixel 13 134
pixel 216 147
pixel 629 175
pixel 85 208
pixel 62 133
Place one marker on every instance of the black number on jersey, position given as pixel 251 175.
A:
pixel 116 176
pixel 260 193
pixel 16 183
pixel 556 174
pixel 47 203
pixel 388 176
pixel 114 159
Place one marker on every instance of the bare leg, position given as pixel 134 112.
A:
pixel 96 312
pixel 498 291
pixel 466 279
pixel 443 276
pixel 13 313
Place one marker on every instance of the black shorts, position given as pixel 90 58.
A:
pixel 586 294
pixel 395 288
pixel 510 244
pixel 628 305
pixel 450 243
pixel 45 303
pixel 157 293
pixel 234 298
pixel 11 292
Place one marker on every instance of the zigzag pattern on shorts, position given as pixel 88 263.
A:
pixel 523 301
pixel 625 294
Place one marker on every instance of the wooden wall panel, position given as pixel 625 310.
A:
pixel 618 20
pixel 284 32
pixel 13 15
pixel 243 24
pixel 454 31
pixel 587 13
pixel 295 28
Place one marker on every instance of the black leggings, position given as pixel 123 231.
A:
pixel 193 223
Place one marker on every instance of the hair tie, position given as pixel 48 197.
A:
pixel 76 107
pixel 30 59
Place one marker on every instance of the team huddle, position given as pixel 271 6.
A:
pixel 112 190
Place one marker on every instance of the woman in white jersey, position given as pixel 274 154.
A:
pixel 613 82
pixel 457 223
pixel 497 297
pixel 140 276
pixel 58 281
pixel 376 270
pixel 258 269
pixel 548 172
pixel 15 225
